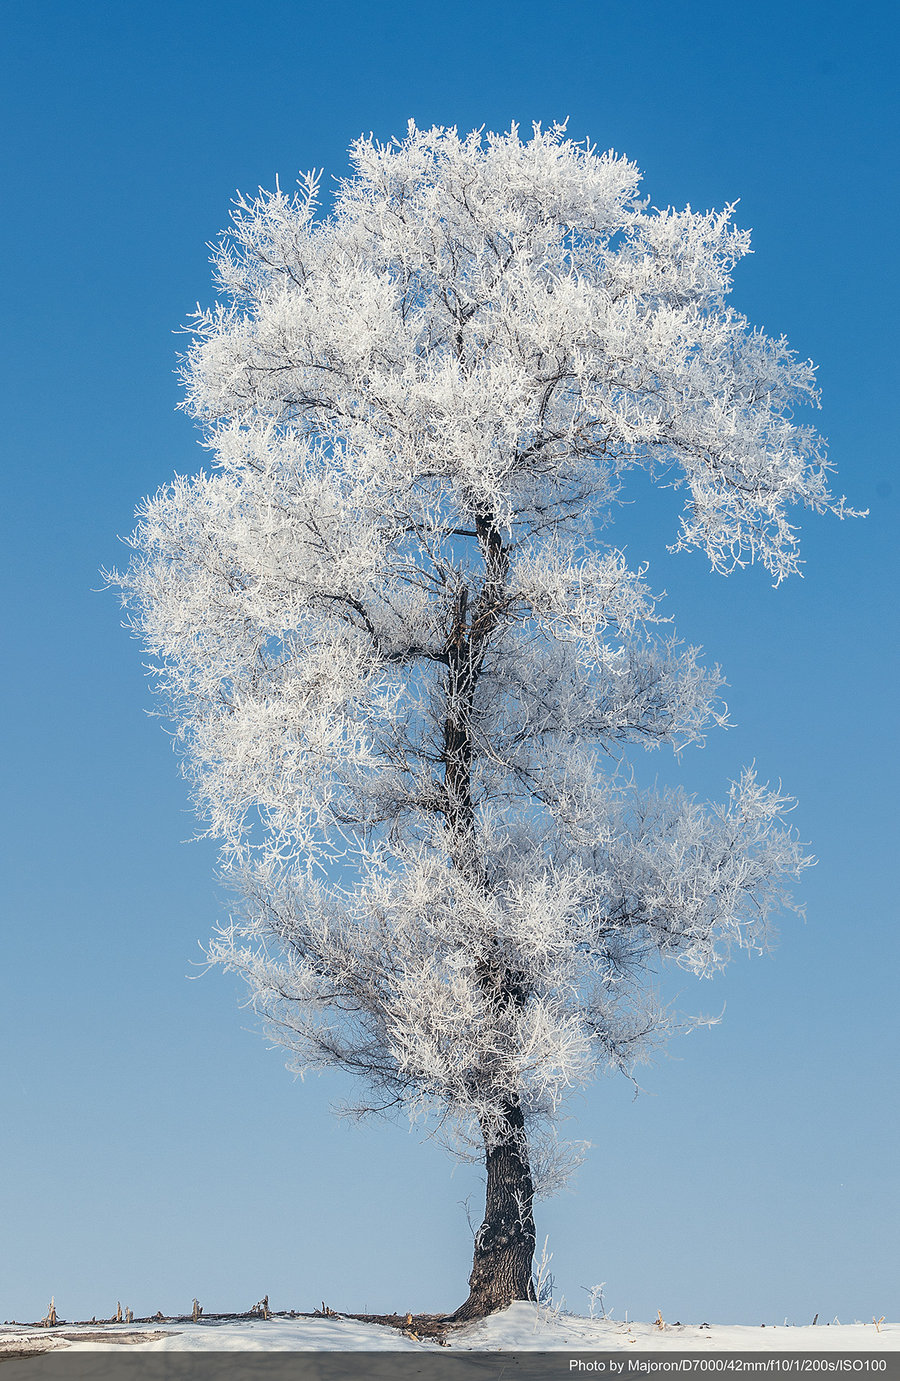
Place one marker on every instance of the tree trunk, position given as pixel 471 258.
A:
pixel 504 1244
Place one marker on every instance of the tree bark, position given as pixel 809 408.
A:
pixel 504 1244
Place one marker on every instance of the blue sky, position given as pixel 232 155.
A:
pixel 153 1149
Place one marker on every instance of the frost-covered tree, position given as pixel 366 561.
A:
pixel 405 670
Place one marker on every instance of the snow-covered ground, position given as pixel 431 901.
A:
pixel 520 1328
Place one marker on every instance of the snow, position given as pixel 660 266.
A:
pixel 521 1328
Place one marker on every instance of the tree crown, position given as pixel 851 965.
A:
pixel 397 654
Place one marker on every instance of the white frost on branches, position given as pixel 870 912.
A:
pixel 401 667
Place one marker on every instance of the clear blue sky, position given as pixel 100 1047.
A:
pixel 153 1149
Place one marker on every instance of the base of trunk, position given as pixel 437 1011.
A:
pixel 489 1296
